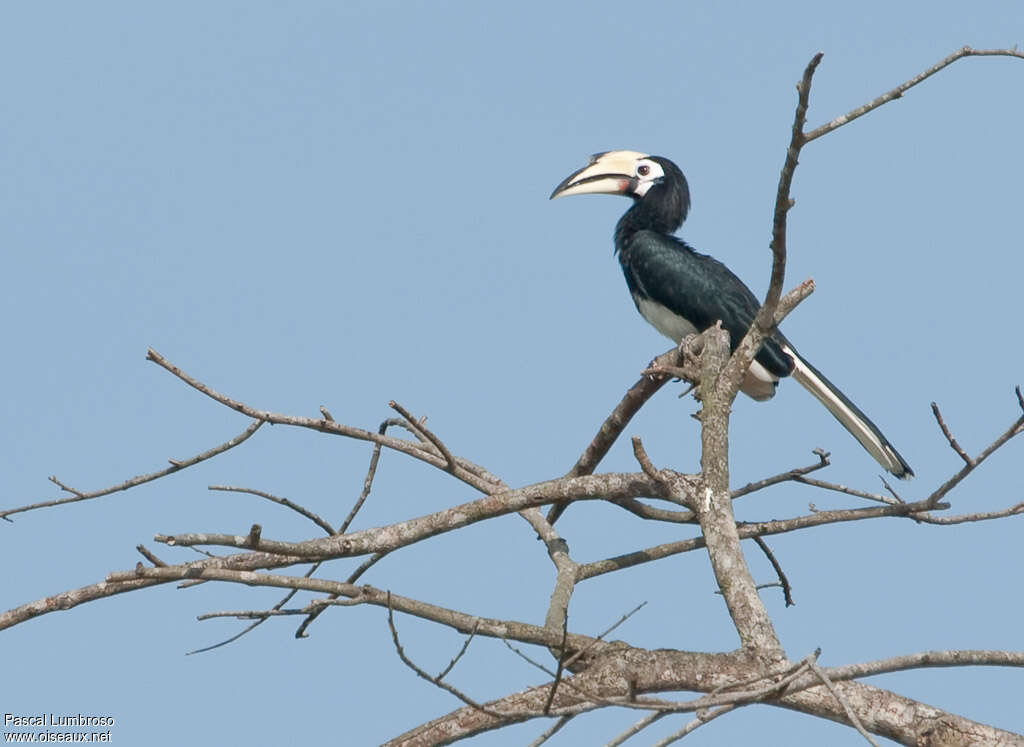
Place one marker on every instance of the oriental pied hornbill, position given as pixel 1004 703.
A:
pixel 682 292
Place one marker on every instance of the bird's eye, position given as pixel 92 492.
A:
pixel 643 169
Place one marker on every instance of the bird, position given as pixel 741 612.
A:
pixel 682 292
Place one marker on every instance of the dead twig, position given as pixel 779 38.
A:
pixel 144 551
pixel 703 717
pixel 787 590
pixel 616 422
pixel 455 660
pixel 278 500
pixel 421 426
pixel 783 202
pixel 323 425
pixel 582 651
pixel 435 680
pixel 1015 429
pixel 850 713
pixel 969 518
pixel 276 609
pixel 551 731
pixel 787 476
pixel 949 436
pixel 837 488
pixel 902 88
pixel 176 466
pixel 645 462
pixel 371 473
pixel 637 728
pixel 927 659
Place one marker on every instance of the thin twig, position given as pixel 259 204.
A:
pixel 600 637
pixel 371 473
pixel 300 632
pixel 636 728
pixel 617 421
pixel 899 90
pixel 850 713
pixel 927 659
pixel 145 552
pixel 455 660
pixel 249 628
pixel 1015 429
pixel 550 732
pixel 364 567
pixel 927 518
pixel 702 718
pixel 949 436
pixel 582 651
pixel 176 465
pixel 837 488
pixel 892 491
pixel 435 680
pixel 250 614
pixel 783 202
pixel 787 590
pixel 788 475
pixel 323 425
pixel 323 524
pixel 756 529
pixel 283 611
pixel 420 425
pixel 522 655
pixel 645 461
pixel 775 306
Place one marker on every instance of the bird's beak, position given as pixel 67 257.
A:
pixel 607 173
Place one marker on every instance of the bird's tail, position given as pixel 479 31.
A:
pixel 856 422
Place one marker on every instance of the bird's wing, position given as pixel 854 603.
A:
pixel 696 287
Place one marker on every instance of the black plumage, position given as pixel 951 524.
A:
pixel 681 291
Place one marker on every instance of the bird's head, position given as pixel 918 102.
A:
pixel 652 180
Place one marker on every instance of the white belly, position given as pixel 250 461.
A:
pixel 673 326
pixel 759 383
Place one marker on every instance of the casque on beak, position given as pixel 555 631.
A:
pixel 611 173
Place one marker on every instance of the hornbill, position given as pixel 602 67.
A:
pixel 682 292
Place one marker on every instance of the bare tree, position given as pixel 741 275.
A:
pixel 586 673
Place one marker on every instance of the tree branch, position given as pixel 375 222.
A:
pixel 302 510
pixel 721 375
pixel 902 88
pixel 616 422
pixel 714 505
pixel 176 466
pixel 462 471
pixel 609 486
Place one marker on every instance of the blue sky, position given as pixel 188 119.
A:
pixel 341 204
